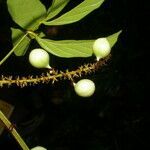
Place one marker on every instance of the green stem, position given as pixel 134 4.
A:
pixel 8 55
pixel 13 131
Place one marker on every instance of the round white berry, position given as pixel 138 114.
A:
pixel 84 88
pixel 101 48
pixel 39 58
pixel 38 148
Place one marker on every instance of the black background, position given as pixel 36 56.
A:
pixel 116 117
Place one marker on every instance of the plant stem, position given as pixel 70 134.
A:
pixel 53 75
pixel 4 59
pixel 13 131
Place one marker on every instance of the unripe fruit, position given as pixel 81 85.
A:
pixel 84 88
pixel 39 58
pixel 101 48
pixel 38 148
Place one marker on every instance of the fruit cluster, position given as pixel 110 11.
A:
pixel 39 58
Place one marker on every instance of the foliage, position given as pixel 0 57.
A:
pixel 29 20
pixel 29 24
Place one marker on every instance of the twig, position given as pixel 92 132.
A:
pixel 13 131
pixel 53 75
pixel 7 56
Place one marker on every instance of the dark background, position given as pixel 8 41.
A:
pixel 116 117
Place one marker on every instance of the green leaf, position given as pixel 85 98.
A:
pixel 27 13
pixel 113 38
pixel 76 13
pixel 67 48
pixel 21 41
pixel 41 34
pixel 73 48
pixel 55 8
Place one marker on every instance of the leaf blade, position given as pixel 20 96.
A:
pixel 77 13
pixel 113 38
pixel 55 8
pixel 23 14
pixel 22 47
pixel 67 48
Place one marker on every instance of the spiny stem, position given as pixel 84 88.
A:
pixel 53 75
pixel 13 131
pixel 8 55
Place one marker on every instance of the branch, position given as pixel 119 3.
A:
pixel 13 131
pixel 53 75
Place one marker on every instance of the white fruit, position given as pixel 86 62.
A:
pixel 84 88
pixel 38 148
pixel 101 48
pixel 39 58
